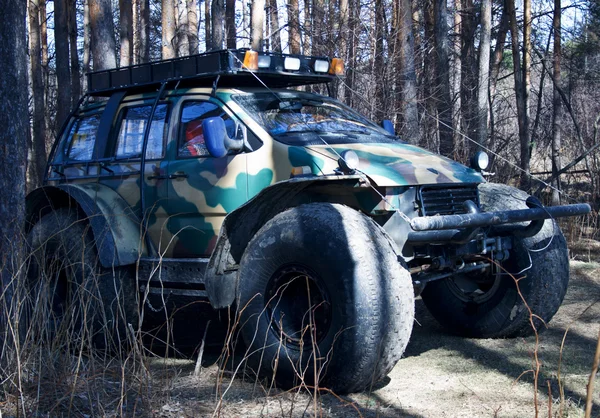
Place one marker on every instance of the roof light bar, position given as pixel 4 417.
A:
pixel 251 60
pixel 264 61
pixel 321 66
pixel 337 66
pixel 291 63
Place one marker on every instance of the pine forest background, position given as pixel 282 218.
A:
pixel 519 79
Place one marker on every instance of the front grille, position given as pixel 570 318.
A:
pixel 446 200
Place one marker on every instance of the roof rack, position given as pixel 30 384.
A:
pixel 201 70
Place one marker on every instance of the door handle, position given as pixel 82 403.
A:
pixel 157 177
pixel 178 175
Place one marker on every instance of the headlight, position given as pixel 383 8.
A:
pixel 348 161
pixel 480 161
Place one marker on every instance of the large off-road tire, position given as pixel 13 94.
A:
pixel 321 289
pixel 68 298
pixel 496 309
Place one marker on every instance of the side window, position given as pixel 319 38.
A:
pixel 191 136
pixel 131 132
pixel 82 138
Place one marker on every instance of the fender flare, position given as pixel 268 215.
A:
pixel 117 230
pixel 221 277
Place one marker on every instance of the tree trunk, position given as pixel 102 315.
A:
pixel 136 31
pixel 468 73
pixel 86 38
pixel 63 75
pixel 75 69
pixel 37 149
pixel 230 23
pixel 343 38
pixel 498 52
pixel 103 35
pixel 257 19
pixel 275 35
pixel 354 6
pixel 444 105
pixel 294 24
pixel 520 94
pixel 144 31
pixel 207 21
pixel 126 32
pixel 408 75
pixel 192 9
pixel 13 137
pixel 484 73
pixel 457 71
pixel 218 23
pixel 168 29
pixel 526 145
pixel 429 78
pixel 183 43
pixel 308 13
pixel 378 61
pixel 556 104
pixel 318 25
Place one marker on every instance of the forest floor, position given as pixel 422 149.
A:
pixel 440 375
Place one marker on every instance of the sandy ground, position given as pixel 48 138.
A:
pixel 440 375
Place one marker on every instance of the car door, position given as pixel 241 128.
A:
pixel 122 165
pixel 202 189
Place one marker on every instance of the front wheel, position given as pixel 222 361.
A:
pixel 323 299
pixel 489 305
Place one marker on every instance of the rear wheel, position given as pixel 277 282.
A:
pixel 324 300
pixel 488 304
pixel 70 300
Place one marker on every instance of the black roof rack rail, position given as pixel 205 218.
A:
pixel 201 70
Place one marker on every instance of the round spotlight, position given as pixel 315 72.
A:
pixel 348 161
pixel 480 161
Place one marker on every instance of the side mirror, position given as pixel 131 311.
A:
pixel 388 126
pixel 217 139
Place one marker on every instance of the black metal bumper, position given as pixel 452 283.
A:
pixel 462 228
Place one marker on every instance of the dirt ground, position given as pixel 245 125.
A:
pixel 440 375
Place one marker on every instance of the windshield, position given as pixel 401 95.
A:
pixel 297 118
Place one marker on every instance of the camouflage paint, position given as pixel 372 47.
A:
pixel 184 215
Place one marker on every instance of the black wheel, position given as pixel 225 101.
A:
pixel 324 300
pixel 488 305
pixel 68 296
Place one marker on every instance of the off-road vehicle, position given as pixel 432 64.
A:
pixel 213 182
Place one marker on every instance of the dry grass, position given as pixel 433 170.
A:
pixel 65 375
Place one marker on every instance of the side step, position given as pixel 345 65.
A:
pixel 173 276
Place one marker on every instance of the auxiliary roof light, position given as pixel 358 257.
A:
pixel 321 66
pixel 291 63
pixel 251 60
pixel 337 66
pixel 264 61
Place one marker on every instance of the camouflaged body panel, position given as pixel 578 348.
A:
pixel 184 215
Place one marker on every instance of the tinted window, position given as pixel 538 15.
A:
pixel 191 137
pixel 83 137
pixel 131 132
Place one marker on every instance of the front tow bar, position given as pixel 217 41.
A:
pixel 483 219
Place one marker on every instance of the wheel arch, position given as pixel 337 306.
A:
pixel 221 277
pixel 115 227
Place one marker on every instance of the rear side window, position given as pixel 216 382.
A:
pixel 83 137
pixel 131 132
